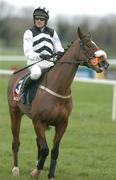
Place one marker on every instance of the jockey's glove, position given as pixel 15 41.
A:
pixel 59 54
pixel 45 56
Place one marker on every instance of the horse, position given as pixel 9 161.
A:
pixel 52 103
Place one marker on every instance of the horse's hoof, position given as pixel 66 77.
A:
pixel 51 179
pixel 35 173
pixel 15 171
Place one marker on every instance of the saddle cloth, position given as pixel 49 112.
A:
pixel 31 91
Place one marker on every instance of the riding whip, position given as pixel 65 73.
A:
pixel 22 69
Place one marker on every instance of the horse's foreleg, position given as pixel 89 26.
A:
pixel 43 149
pixel 40 162
pixel 59 131
pixel 15 127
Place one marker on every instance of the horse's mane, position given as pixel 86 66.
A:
pixel 65 50
pixel 68 46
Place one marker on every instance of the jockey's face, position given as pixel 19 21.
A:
pixel 39 22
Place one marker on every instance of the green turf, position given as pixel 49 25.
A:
pixel 88 148
pixel 12 64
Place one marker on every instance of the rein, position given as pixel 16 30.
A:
pixel 87 54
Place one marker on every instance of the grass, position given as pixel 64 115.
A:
pixel 88 148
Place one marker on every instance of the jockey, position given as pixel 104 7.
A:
pixel 40 43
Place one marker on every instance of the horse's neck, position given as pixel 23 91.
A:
pixel 61 76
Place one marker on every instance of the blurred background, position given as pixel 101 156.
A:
pixel 97 17
pixel 88 150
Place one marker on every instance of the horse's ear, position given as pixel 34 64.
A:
pixel 80 34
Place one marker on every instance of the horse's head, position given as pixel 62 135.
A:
pixel 91 55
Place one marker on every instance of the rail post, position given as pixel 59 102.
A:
pixel 114 103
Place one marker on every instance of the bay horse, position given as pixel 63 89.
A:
pixel 52 104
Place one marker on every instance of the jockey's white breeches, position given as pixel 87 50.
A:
pixel 35 70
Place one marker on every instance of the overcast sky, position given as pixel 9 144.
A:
pixel 70 7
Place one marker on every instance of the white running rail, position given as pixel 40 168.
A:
pixel 103 81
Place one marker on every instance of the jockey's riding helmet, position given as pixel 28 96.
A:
pixel 41 13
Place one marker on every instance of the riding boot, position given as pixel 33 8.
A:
pixel 25 86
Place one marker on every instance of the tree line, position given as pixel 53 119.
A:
pixel 13 25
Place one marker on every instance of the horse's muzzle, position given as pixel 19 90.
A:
pixel 102 68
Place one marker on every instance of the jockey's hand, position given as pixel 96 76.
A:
pixel 45 56
pixel 59 55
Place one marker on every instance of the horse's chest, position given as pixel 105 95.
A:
pixel 54 112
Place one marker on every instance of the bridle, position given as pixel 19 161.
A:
pixel 87 54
